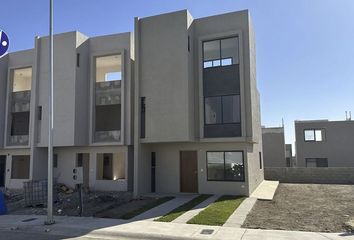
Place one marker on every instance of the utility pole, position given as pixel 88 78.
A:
pixel 50 219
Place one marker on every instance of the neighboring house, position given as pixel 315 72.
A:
pixel 172 108
pixel 93 117
pixel 274 147
pixel 289 156
pixel 323 143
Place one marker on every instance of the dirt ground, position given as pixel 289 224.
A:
pixel 96 204
pixel 305 207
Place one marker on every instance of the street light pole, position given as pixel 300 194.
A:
pixel 50 219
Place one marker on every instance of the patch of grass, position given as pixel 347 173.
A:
pixel 175 213
pixel 218 212
pixel 146 207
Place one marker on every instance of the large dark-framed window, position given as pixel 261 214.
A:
pixel 224 109
pixel 314 135
pixel 225 166
pixel 221 52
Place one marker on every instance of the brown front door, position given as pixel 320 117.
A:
pixel 189 171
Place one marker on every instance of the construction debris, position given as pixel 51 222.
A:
pixel 67 202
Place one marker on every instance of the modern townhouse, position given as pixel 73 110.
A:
pixel 170 108
pixel 197 110
pixel 274 151
pixel 323 143
pixel 92 111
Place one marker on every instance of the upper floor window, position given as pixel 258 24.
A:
pixel 222 109
pixel 314 135
pixel 22 80
pixel 109 68
pixel 221 52
pixel 108 93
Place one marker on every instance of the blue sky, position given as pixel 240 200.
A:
pixel 305 48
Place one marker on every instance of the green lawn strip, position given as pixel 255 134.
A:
pixel 146 207
pixel 218 212
pixel 175 213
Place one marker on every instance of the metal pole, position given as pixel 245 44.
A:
pixel 50 120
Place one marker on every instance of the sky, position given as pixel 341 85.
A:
pixel 305 48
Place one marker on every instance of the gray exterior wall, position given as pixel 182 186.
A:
pixel 337 146
pixel 273 147
pixel 72 103
pixel 338 175
pixel 162 61
pixel 172 83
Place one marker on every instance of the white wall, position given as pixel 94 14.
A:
pixel 14 183
pixel 66 163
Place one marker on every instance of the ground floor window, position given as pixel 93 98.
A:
pixel 316 162
pixel 20 167
pixel 110 166
pixel 225 166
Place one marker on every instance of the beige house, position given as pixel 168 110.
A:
pixel 170 108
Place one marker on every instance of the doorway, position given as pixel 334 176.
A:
pixel 2 170
pixel 189 171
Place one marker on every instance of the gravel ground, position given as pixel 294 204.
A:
pixel 67 204
pixel 305 207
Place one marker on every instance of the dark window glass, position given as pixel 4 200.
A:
pixel 225 166
pixel 221 52
pixel 229 50
pixel 39 112
pixel 20 123
pixel 142 116
pixel 260 160
pixel 55 161
pixel 108 117
pixel 222 109
pixel 231 109
pixel 78 60
pixel 79 160
pixel 211 50
pixel 213 110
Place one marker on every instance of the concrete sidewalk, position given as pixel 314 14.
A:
pixel 239 215
pixel 95 228
pixel 265 190
pixel 197 209
pixel 164 208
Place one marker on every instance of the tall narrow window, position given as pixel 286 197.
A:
pixel 77 59
pixel 142 115
pixel 260 160
pixel 108 107
pixel 153 171
pixel 221 88
pixel 20 99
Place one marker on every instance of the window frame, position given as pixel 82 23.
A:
pixel 93 80
pixel 220 59
pixel 222 112
pixel 225 180
pixel 323 134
